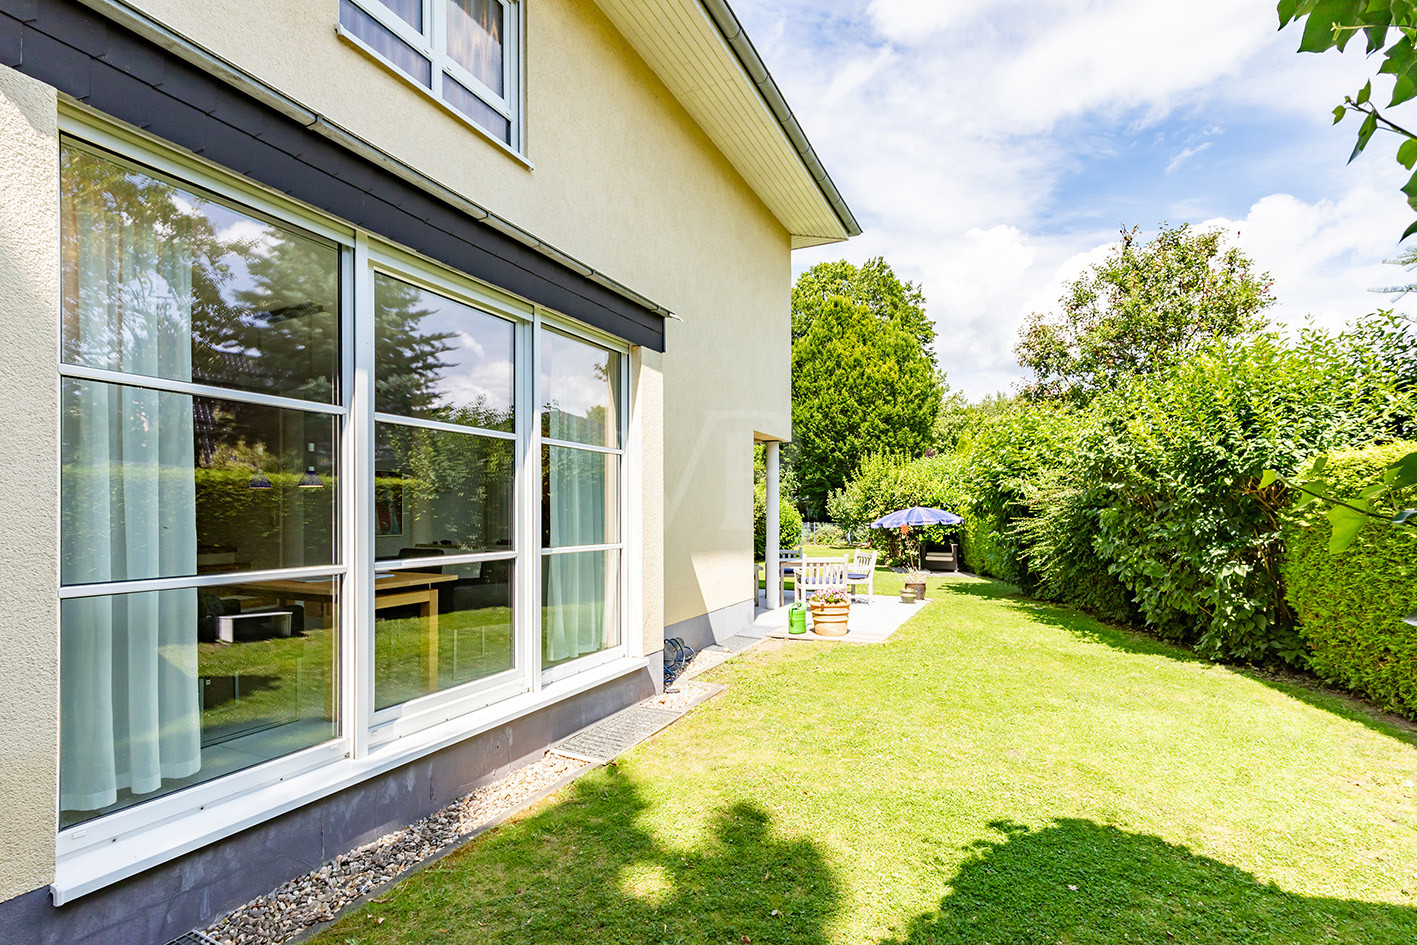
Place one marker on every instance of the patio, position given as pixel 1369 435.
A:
pixel 869 623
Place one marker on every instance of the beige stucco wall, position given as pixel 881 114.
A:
pixel 645 458
pixel 29 502
pixel 623 179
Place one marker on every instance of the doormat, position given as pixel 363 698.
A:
pixel 607 739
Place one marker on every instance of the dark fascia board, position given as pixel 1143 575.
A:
pixel 737 39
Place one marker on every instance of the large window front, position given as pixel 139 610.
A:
pixel 464 52
pixel 299 489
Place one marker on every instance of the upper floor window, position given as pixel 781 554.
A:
pixel 465 52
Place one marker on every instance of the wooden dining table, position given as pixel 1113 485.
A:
pixel 391 589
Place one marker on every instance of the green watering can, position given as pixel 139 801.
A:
pixel 797 619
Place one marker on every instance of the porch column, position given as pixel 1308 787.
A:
pixel 772 560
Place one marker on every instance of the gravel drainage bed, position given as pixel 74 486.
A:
pixel 291 911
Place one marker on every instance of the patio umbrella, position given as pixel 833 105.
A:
pixel 916 515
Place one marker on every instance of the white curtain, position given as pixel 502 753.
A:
pixel 130 706
pixel 582 588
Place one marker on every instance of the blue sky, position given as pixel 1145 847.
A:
pixel 992 149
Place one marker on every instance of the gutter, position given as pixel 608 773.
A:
pixel 204 59
pixel 733 34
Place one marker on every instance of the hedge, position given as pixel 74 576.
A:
pixel 1350 605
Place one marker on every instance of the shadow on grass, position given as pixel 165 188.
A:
pixel 1307 689
pixel 1080 882
pixel 588 871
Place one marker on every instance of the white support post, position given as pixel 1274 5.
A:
pixel 772 559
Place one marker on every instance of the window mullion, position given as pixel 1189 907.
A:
pixel 529 416
pixel 358 613
pixel 437 42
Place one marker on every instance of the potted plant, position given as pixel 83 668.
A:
pixel 915 581
pixel 831 608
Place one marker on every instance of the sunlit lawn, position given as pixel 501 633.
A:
pixel 999 772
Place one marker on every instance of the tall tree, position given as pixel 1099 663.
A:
pixel 1141 309
pixel 859 386
pixel 873 285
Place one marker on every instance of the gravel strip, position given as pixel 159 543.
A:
pixel 317 896
pixel 706 659
pixel 681 701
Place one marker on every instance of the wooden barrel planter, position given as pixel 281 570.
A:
pixel 829 620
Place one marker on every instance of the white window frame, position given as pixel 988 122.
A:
pixel 546 320
pixel 112 846
pixel 432 44
pixel 394 722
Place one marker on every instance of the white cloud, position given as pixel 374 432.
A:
pixel 959 132
pixel 1185 154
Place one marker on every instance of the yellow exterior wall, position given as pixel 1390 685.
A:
pixel 29 502
pixel 624 180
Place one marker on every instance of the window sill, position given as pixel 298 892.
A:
pixel 81 872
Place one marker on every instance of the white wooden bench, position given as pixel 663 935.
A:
pixel 815 575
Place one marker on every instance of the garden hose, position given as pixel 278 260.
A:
pixel 677 655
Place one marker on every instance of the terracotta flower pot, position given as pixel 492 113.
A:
pixel 907 597
pixel 829 620
pixel 918 587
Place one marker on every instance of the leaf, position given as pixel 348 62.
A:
pixel 1403 473
pixel 1287 10
pixel 1407 153
pixel 1268 479
pixel 1365 134
pixel 1318 28
pixel 1338 114
pixel 1411 228
pixel 1411 618
pixel 1403 517
pixel 1365 93
pixel 1346 525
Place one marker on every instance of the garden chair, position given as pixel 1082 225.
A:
pixel 813 576
pixel 862 570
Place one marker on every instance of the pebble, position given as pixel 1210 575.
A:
pixel 320 894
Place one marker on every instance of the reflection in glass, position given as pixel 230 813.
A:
pixel 165 689
pixel 157 484
pixel 161 281
pixel 438 359
pixel 487 117
pixel 440 490
pixel 580 385
pixel 579 497
pixel 580 598
pixel 440 626
pixel 475 39
pixel 386 43
pixel 410 11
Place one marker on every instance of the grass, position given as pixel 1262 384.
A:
pixel 999 772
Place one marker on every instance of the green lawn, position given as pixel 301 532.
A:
pixel 1000 772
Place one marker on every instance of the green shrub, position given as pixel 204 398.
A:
pixel 1350 605
pixel 1180 454
pixel 789 523
pixel 1001 457
pixel 884 483
pixel 1058 544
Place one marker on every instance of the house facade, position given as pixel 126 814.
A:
pixel 380 381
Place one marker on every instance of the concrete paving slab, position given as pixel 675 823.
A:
pixel 868 623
